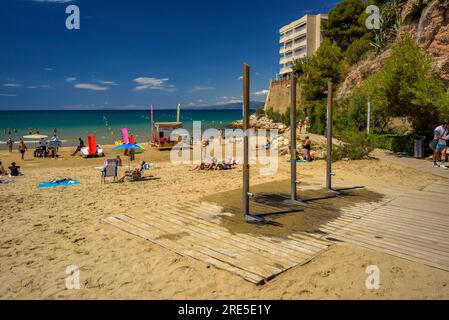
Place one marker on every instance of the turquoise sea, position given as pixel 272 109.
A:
pixel 105 124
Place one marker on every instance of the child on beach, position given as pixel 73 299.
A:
pixel 22 148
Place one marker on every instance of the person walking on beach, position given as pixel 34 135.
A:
pixel 79 147
pixel 30 131
pixel 10 144
pixel 300 126
pixel 440 144
pixel 306 125
pixel 22 149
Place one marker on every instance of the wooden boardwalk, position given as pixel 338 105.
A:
pixel 194 230
pixel 413 226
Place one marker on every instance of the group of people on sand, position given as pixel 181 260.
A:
pixel 303 124
pixel 14 170
pixel 22 147
pixel 213 164
pixel 439 145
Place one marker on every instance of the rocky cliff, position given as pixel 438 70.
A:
pixel 428 22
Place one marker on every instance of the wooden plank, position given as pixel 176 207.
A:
pixel 413 250
pixel 434 246
pixel 249 276
pixel 185 212
pixel 425 205
pixel 392 252
pixel 231 243
pixel 219 252
pixel 267 244
pixel 249 242
pixel 399 221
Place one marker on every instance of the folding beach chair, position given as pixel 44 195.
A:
pixel 110 169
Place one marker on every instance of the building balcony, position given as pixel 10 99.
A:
pixel 285 70
pixel 284 38
pixel 285 60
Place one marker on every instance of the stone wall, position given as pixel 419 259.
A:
pixel 278 97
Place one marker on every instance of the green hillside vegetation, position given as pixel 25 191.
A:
pixel 404 87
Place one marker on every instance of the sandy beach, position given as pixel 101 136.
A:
pixel 46 230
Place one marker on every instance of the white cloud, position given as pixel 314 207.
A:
pixel 44 86
pixel 48 69
pixel 229 100
pixel 109 83
pixel 153 84
pixel 261 93
pixel 240 78
pixel 90 86
pixel 201 88
pixel 7 95
pixel 12 85
pixel 70 79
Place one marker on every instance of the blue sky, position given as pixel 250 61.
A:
pixel 130 54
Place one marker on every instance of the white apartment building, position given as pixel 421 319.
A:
pixel 300 39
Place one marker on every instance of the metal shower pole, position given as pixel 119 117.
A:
pixel 246 101
pixel 329 173
pixel 293 175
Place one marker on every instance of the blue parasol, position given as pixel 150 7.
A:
pixel 128 146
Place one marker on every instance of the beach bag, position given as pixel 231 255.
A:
pixel 433 144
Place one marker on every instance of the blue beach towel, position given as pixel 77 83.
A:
pixel 58 183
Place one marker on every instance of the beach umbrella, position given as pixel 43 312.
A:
pixel 36 137
pixel 128 146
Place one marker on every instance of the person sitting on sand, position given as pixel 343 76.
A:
pixel 14 171
pixel 79 147
pixel 3 171
pixel 137 172
pixel 308 148
pixel 43 146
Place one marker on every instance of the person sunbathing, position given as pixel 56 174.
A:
pixel 228 164
pixel 209 164
pixel 136 173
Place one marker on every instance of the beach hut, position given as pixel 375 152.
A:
pixel 164 130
